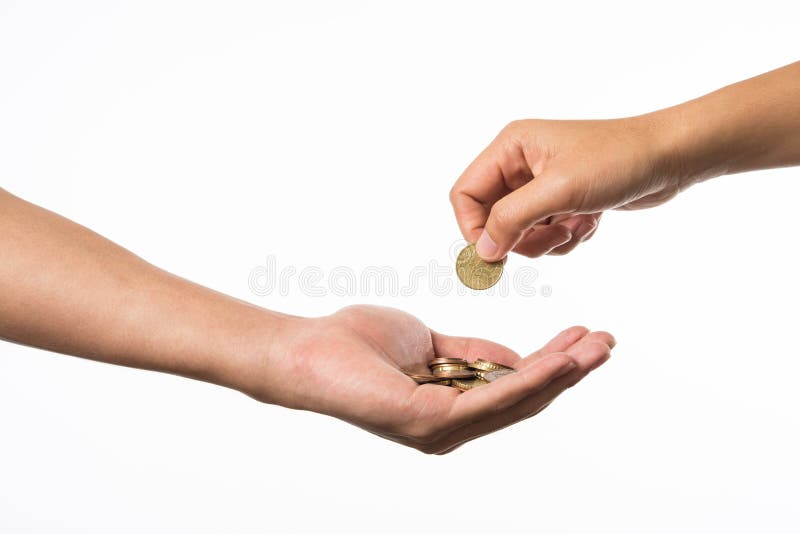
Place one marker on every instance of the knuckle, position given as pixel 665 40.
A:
pixel 455 194
pixel 511 126
pixel 518 131
pixel 514 126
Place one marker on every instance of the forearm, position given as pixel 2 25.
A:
pixel 753 124
pixel 66 289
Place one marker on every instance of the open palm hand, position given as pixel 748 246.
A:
pixel 350 364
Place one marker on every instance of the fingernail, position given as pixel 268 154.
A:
pixel 583 230
pixel 485 246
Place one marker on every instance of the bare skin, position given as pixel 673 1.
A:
pixel 541 186
pixel 68 290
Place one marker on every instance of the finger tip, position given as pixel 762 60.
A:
pixel 601 355
pixel 608 339
pixel 590 354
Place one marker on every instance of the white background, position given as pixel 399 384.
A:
pixel 205 136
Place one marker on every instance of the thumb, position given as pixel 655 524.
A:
pixel 512 215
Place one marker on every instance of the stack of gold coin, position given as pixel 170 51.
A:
pixel 459 373
pixel 483 367
pixel 450 368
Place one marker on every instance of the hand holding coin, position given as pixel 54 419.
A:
pixel 459 373
pixel 351 365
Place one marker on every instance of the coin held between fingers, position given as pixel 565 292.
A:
pixel 476 273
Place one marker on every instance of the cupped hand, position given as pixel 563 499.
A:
pixel 348 365
pixel 541 186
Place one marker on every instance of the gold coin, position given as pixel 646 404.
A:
pixel 449 368
pixel 417 368
pixel 491 376
pixel 465 385
pixel 422 377
pixel 455 374
pixel 486 365
pixel 476 273
pixel 447 361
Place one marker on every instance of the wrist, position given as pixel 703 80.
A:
pixel 711 136
pixel 683 148
pixel 260 357
pixel 290 359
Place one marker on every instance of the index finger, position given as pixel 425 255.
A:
pixel 497 171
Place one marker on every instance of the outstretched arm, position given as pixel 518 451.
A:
pixel 66 289
pixel 541 185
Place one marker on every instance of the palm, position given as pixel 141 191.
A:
pixel 357 378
